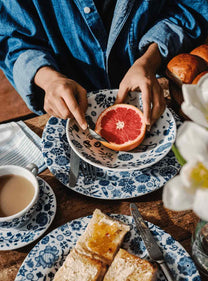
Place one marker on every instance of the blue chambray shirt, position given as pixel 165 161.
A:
pixel 70 36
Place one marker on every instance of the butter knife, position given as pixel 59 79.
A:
pixel 74 168
pixel 95 135
pixel 150 243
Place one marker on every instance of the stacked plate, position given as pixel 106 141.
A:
pixel 120 175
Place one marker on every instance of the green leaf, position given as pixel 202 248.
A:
pixel 178 156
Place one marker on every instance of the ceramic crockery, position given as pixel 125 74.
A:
pixel 156 144
pixel 22 217
pixel 108 184
pixel 15 238
pixel 48 255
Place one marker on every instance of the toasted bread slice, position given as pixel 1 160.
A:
pixel 78 267
pixel 102 237
pixel 126 266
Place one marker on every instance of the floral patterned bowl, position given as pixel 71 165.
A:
pixel 155 146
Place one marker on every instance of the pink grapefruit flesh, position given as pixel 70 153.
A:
pixel 122 125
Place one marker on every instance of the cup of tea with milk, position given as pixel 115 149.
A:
pixel 19 193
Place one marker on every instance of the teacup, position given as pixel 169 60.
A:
pixel 19 193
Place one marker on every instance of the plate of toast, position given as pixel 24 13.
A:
pixel 103 247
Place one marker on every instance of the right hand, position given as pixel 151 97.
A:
pixel 64 98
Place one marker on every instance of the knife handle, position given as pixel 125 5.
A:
pixel 166 271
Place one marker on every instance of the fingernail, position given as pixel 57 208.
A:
pixel 84 126
pixel 148 123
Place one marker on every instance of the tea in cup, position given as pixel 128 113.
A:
pixel 19 192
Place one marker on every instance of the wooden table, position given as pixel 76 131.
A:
pixel 71 205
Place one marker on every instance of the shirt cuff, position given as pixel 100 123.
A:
pixel 24 71
pixel 169 37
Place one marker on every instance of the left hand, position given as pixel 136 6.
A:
pixel 141 76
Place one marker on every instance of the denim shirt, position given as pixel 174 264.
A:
pixel 70 36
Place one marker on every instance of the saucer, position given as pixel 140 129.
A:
pixel 42 218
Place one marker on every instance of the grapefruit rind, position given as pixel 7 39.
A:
pixel 139 131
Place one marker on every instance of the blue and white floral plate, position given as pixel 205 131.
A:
pixel 48 255
pixel 156 144
pixel 41 220
pixel 108 184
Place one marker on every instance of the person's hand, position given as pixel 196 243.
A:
pixel 64 98
pixel 141 76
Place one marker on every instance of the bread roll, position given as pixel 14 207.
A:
pixel 201 51
pixel 183 68
pixel 102 237
pixel 128 267
pixel 196 79
pixel 78 267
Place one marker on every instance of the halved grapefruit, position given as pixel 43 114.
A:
pixel 122 125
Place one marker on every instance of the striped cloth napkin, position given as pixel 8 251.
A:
pixel 19 145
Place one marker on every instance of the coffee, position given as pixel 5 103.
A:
pixel 16 192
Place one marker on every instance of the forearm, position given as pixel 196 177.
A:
pixel 151 57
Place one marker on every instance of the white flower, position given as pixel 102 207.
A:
pixel 195 104
pixel 189 190
pixel 192 142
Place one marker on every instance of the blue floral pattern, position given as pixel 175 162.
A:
pixel 39 223
pixel 48 255
pixel 154 147
pixel 108 184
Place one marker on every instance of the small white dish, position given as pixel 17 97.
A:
pixel 48 255
pixel 155 146
pixel 42 218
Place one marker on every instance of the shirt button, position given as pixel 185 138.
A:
pixel 87 10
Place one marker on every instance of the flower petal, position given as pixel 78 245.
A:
pixel 185 173
pixel 175 195
pixel 194 113
pixel 192 142
pixel 195 104
pixel 203 88
pixel 200 205
pixel 194 175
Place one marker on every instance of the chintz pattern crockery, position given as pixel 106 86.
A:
pixel 18 222
pixel 20 218
pixel 38 224
pixel 154 147
pixel 48 255
pixel 108 184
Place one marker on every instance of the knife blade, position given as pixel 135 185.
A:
pixel 95 135
pixel 150 243
pixel 74 168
